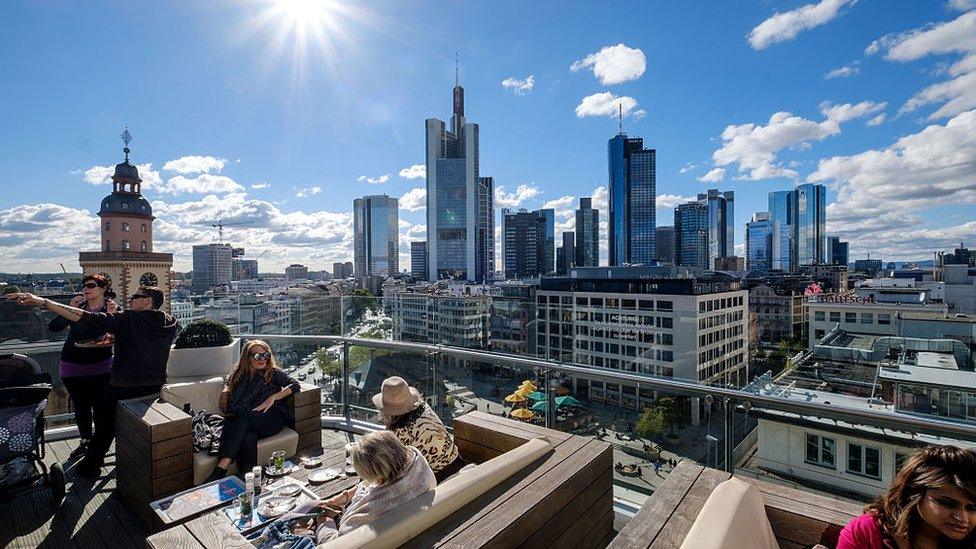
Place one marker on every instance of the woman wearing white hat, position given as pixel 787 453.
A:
pixel 403 411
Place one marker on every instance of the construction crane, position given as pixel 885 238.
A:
pixel 220 227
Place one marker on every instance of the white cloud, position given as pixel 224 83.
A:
pixel 846 71
pixel 672 201
pixel 754 147
pixel 102 175
pixel 416 171
pixel 614 64
pixel 957 95
pixel 512 200
pixel 259 186
pixel 962 5
pixel 520 87
pixel 601 200
pixel 877 120
pixel 785 26
pixel 195 164
pixel 201 184
pixel 713 176
pixel 607 104
pixel 560 203
pixel 884 190
pixel 374 180
pixel 308 191
pixel 37 237
pixel 414 200
pixel 687 167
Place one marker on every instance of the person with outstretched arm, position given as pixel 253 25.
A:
pixel 143 336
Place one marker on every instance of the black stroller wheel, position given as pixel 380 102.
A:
pixel 56 480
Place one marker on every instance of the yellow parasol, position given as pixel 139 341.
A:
pixel 562 391
pixel 527 384
pixel 522 413
pixel 515 397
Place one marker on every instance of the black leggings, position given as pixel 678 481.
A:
pixel 239 439
pixel 84 392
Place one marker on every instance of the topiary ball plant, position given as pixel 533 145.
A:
pixel 203 333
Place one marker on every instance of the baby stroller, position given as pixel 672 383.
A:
pixel 23 396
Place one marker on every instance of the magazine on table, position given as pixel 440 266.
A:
pixel 198 499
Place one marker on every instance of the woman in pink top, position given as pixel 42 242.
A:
pixel 931 504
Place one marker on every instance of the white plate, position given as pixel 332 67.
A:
pixel 311 462
pixel 289 467
pixel 288 490
pixel 319 476
pixel 275 506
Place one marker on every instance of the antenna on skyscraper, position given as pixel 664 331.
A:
pixel 457 68
pixel 620 117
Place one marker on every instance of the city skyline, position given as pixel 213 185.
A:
pixel 866 113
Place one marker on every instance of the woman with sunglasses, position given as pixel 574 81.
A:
pixel 931 504
pixel 86 370
pixel 253 399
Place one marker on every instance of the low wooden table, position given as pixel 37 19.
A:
pixel 213 529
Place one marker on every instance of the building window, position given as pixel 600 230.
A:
pixel 863 460
pixel 818 334
pixel 867 318
pixel 108 246
pixel 125 227
pixel 835 316
pixel 850 318
pixel 665 305
pixel 108 226
pixel 125 245
pixel 144 247
pixel 884 319
pixel 667 322
pixel 143 227
pixel 819 316
pixel 820 450
pixel 899 461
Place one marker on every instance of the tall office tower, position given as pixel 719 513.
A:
pixel 485 228
pixel 567 255
pixel 836 253
pixel 501 241
pixel 376 235
pixel 632 193
pixel 548 254
pixel 691 235
pixel 781 211
pixel 243 269
pixel 342 270
pixel 458 199
pixel 762 242
pixel 665 243
pixel 587 234
pixel 296 271
pixel 418 259
pixel 721 220
pixel 211 266
pixel 525 242
pixel 810 215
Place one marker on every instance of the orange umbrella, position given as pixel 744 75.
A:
pixel 522 413
pixel 562 391
pixel 515 397
pixel 527 384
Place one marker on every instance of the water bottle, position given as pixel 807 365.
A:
pixel 249 490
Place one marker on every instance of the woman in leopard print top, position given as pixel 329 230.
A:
pixel 403 411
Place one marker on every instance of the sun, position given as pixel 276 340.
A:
pixel 304 13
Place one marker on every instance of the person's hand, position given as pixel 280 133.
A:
pixel 24 298
pixel 77 301
pixel 111 306
pixel 266 405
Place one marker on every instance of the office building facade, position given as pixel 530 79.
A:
pixel 566 254
pixel 691 235
pixel 721 223
pixel 342 270
pixel 665 243
pixel 296 271
pixel 836 251
pixel 810 223
pixel 632 193
pixel 459 201
pixel 376 236
pixel 526 242
pixel 587 234
pixel 243 269
pixel 418 259
pixel 762 242
pixel 211 266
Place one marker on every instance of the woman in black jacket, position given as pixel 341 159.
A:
pixel 253 400
pixel 85 370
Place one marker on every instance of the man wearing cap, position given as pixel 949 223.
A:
pixel 403 411
pixel 143 336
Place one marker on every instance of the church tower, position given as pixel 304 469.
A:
pixel 126 243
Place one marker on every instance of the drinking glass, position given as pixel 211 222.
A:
pixel 277 461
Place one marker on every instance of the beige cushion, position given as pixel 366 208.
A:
pixel 398 526
pixel 286 439
pixel 733 517
pixel 201 395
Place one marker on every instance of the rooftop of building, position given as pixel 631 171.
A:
pixel 928 368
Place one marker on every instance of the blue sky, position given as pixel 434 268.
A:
pixel 239 115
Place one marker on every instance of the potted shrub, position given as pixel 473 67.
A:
pixel 204 349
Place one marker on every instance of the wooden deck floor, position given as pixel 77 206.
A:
pixel 92 514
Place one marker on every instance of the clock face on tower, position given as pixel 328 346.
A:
pixel 148 279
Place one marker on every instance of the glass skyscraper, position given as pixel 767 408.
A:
pixel 802 217
pixel 587 234
pixel 691 235
pixel 762 242
pixel 526 243
pixel 721 224
pixel 781 211
pixel 376 235
pixel 460 216
pixel 632 193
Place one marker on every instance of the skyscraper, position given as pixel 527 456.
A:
pixel 809 209
pixel 418 259
pixel 567 254
pixel 721 221
pixel 836 253
pixel 525 243
pixel 549 250
pixel 459 201
pixel 781 211
pixel 376 235
pixel 665 243
pixel 691 235
pixel 211 266
pixel 243 269
pixel 587 234
pixel 762 242
pixel 632 193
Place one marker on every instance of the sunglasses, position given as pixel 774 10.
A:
pixel 137 296
pixel 92 285
pixel 261 356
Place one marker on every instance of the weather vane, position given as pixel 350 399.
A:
pixel 126 138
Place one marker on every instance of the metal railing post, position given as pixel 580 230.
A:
pixel 345 380
pixel 550 400
pixel 729 435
